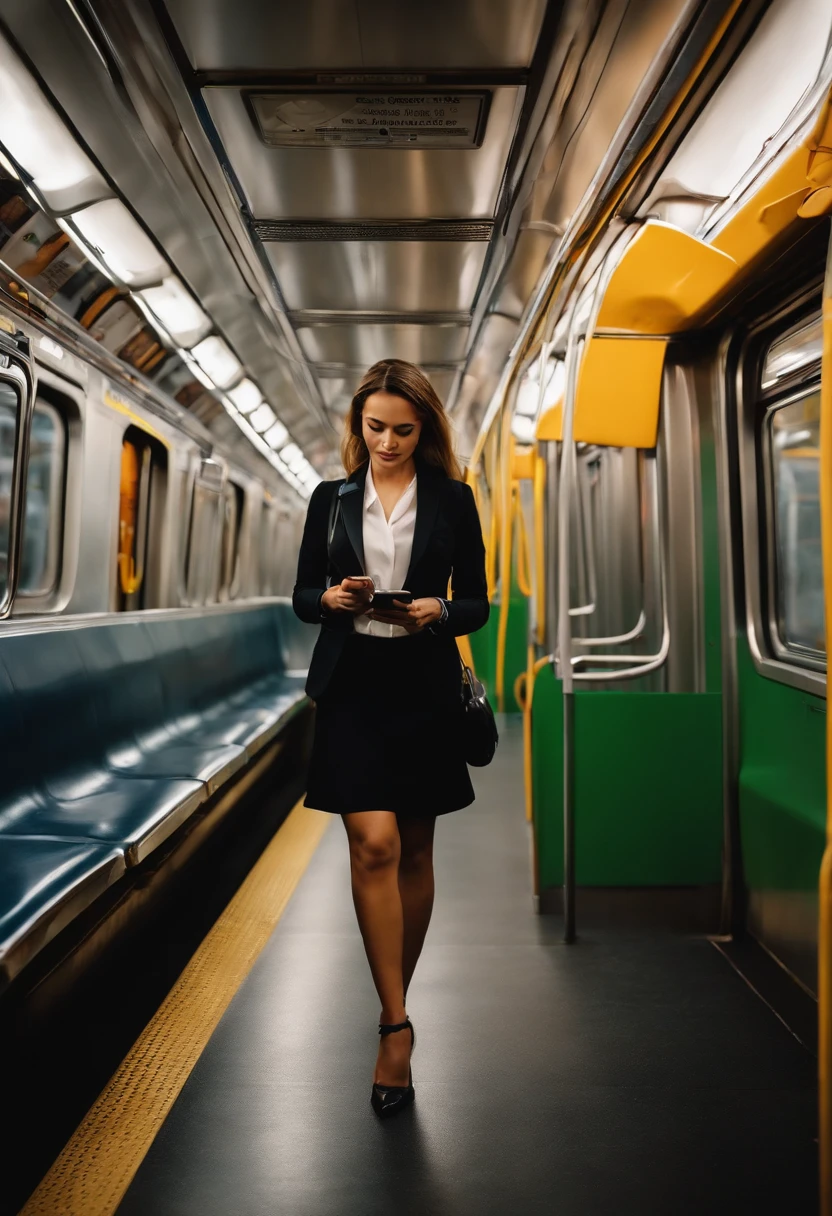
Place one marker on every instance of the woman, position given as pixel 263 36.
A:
pixel 387 755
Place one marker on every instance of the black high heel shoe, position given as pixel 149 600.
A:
pixel 387 1100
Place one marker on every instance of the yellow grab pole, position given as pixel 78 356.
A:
pixel 505 558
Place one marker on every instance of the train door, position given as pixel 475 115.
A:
pixel 780 648
pixel 141 513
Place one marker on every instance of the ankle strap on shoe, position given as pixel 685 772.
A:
pixel 384 1028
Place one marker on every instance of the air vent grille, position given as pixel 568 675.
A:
pixel 380 230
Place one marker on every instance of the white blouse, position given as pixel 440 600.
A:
pixel 388 544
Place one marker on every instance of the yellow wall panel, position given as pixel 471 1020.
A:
pixel 771 210
pixel 664 278
pixel 522 463
pixel 619 389
pixel 550 424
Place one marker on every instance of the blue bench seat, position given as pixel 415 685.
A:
pixel 45 884
pixel 116 731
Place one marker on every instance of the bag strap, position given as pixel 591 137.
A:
pixel 334 512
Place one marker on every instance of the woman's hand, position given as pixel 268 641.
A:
pixel 353 595
pixel 413 617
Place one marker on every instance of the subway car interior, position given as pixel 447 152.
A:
pixel 601 229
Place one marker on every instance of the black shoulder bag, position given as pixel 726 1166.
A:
pixel 479 728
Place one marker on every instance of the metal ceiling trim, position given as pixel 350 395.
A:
pixel 444 78
pixel 309 317
pixel 345 371
pixel 374 230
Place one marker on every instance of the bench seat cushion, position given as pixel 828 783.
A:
pixel 190 757
pixel 255 714
pixel 134 813
pixel 44 884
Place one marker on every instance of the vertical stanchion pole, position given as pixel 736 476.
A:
pixel 565 632
pixel 825 891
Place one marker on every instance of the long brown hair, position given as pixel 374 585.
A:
pixel 407 381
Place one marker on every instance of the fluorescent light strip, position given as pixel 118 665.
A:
pixel 218 361
pixel 120 243
pixel 260 444
pixel 40 143
pixel 263 418
pixel 246 396
pixel 176 311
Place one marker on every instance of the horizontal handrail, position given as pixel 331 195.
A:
pixel 620 640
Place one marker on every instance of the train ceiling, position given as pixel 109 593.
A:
pixel 337 183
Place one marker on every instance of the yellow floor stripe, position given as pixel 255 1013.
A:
pixel 93 1172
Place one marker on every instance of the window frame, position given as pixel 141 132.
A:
pixel 752 403
pixel 229 587
pixel 813 660
pixel 153 460
pixel 57 513
pixel 16 371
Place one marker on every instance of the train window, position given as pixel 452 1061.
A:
pixel 796 602
pixel 43 523
pixel 203 565
pixel 9 407
pixel 232 518
pixel 140 502
pixel 269 536
pixel 794 352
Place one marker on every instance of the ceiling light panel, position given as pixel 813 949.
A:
pixel 263 418
pixel 218 362
pixel 276 435
pixel 39 141
pixel 120 243
pixel 177 311
pixel 246 396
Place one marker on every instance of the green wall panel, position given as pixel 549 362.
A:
pixel 782 787
pixel 648 787
pixel 484 648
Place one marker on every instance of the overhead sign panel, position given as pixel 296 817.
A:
pixel 389 119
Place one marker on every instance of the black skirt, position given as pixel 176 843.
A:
pixel 388 730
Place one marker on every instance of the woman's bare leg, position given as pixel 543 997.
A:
pixel 375 849
pixel 416 888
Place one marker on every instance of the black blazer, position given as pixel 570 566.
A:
pixel 447 546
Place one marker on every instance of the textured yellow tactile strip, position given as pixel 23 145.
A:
pixel 92 1174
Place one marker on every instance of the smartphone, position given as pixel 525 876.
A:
pixel 384 599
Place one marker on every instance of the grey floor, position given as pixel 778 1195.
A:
pixel 625 1074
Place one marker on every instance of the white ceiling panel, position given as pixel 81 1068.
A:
pixel 390 276
pixel 366 183
pixel 279 35
pixel 362 345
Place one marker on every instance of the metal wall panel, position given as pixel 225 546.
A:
pixel 365 183
pixel 275 35
pixel 337 389
pixel 361 345
pixel 393 276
